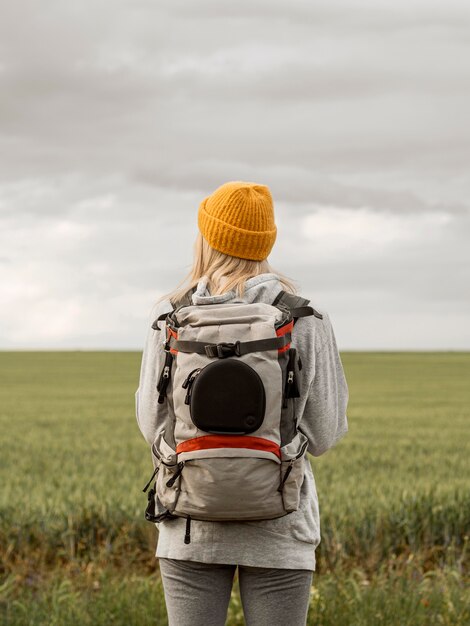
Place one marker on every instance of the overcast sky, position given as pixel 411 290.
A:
pixel 118 117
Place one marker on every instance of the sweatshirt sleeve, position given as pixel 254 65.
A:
pixel 324 420
pixel 146 395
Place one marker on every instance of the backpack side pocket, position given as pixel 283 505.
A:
pixel 167 484
pixel 292 471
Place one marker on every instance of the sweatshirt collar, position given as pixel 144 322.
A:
pixel 262 288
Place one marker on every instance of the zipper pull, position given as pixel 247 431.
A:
pixel 192 377
pixel 291 389
pixel 284 478
pixel 171 482
pixel 289 382
pixel 151 478
pixel 187 537
pixel 289 377
pixel 188 377
pixel 187 398
pixel 164 377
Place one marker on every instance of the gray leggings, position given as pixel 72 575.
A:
pixel 198 594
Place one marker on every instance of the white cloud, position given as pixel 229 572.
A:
pixel 365 233
pixel 117 118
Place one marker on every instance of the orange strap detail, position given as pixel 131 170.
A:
pixel 287 328
pixel 172 333
pixel 228 441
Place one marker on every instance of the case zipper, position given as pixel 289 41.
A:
pixel 188 383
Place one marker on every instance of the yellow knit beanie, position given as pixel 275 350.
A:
pixel 238 219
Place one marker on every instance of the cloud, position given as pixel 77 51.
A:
pixel 366 234
pixel 118 118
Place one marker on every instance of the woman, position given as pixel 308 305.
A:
pixel 275 557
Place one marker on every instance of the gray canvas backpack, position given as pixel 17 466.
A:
pixel 228 445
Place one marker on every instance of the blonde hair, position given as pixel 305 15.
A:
pixel 224 272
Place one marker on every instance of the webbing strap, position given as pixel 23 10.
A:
pixel 290 299
pixel 223 350
pixel 303 311
pixel 185 300
pixel 296 304
pixel 161 317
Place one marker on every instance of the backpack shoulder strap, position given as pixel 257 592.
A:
pixel 185 300
pixel 296 304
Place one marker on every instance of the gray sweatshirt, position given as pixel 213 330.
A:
pixel 288 542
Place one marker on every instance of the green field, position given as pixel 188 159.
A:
pixel 394 495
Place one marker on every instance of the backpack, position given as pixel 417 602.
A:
pixel 228 446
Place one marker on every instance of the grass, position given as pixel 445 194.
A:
pixel 394 494
pixel 107 598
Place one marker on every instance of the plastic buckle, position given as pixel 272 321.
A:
pixel 210 350
pixel 223 350
pixel 228 349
